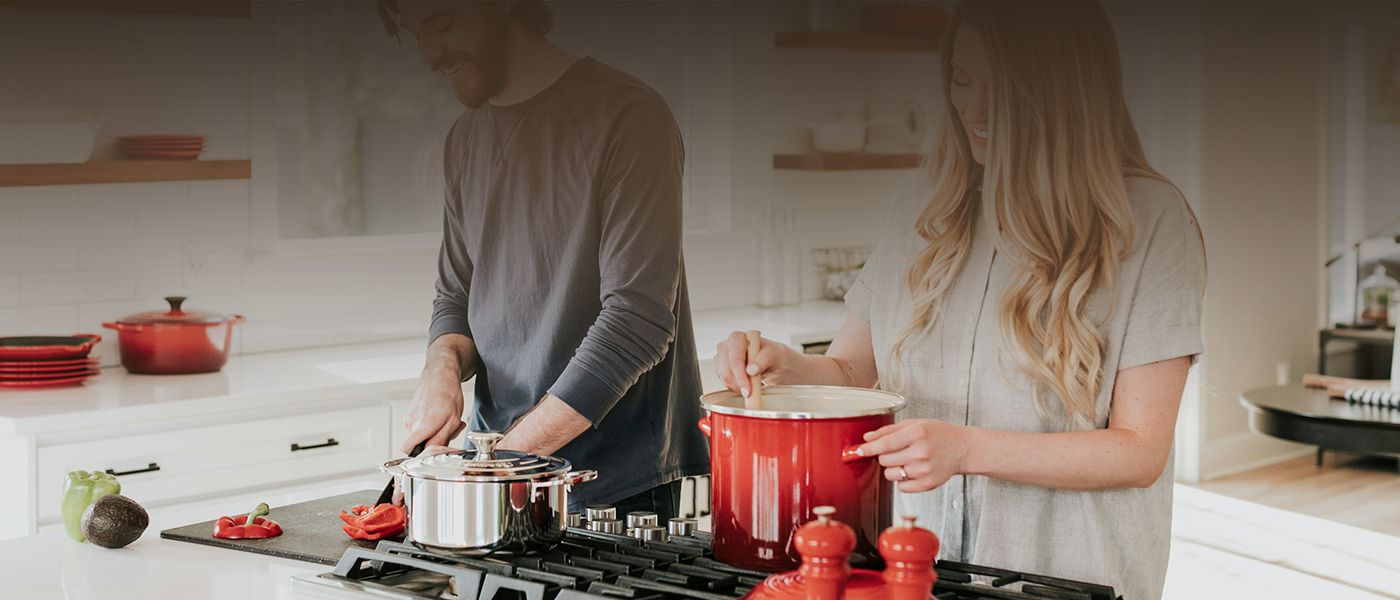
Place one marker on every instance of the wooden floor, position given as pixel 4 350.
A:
pixel 1363 491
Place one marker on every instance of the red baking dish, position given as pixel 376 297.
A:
pixel 38 347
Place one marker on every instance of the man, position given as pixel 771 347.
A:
pixel 560 285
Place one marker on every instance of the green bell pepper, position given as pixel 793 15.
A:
pixel 79 490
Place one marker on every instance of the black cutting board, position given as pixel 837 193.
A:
pixel 310 530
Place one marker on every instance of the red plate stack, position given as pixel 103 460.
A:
pixel 47 361
pixel 161 147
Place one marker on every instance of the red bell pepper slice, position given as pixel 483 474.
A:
pixel 237 528
pixel 361 534
pixel 382 518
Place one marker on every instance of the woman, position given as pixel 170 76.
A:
pixel 1036 297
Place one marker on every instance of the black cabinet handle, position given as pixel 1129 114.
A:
pixel 329 442
pixel 151 468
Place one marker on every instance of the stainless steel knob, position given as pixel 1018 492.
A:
pixel 573 519
pixel 612 526
pixel 681 527
pixel 485 444
pixel 638 518
pixel 650 533
pixel 600 512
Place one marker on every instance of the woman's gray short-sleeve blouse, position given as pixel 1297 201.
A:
pixel 1116 537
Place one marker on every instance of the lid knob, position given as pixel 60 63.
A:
pixel 909 551
pixel 825 546
pixel 175 302
pixel 485 444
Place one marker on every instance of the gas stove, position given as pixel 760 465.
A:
pixel 593 565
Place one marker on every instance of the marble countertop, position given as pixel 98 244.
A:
pixel 326 374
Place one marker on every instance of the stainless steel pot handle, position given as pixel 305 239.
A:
pixel 571 478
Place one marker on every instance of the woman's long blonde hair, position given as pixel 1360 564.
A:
pixel 1053 190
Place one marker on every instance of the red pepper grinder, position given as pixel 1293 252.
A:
pixel 825 546
pixel 909 551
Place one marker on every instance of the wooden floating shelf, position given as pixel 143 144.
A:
pixel 123 171
pixel 232 9
pixel 855 40
pixel 846 162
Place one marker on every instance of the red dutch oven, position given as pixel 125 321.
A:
pixel 174 342
pixel 770 468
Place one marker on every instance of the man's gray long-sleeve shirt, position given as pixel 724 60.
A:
pixel 561 259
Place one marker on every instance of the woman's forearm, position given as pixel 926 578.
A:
pixel 815 369
pixel 1083 460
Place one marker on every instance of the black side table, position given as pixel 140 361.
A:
pixel 1309 416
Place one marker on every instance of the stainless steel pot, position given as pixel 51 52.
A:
pixel 485 500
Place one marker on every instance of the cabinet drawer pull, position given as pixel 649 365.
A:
pixel 329 442
pixel 151 468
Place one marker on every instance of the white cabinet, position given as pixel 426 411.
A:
pixel 188 462
pixel 178 463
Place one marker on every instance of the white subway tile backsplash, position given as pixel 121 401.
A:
pixel 49 320
pixel 144 251
pixel 9 291
pixel 159 282
pixel 226 148
pixel 38 256
pixel 48 195
pixel 202 218
pixel 226 190
pixel 136 193
pixel 77 286
pixel 290 273
pixel 76 222
pixel 9 222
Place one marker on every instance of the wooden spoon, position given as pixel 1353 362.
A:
pixel 754 401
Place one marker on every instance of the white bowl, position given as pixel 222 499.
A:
pixel 837 137
pixel 39 136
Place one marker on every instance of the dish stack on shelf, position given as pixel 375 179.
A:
pixel 45 361
pixel 161 147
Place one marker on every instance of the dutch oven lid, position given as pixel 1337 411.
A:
pixel 807 402
pixel 175 316
pixel 486 463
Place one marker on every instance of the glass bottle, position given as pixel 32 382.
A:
pixel 770 259
pixel 1375 292
pixel 792 256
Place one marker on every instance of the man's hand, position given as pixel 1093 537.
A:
pixel 436 414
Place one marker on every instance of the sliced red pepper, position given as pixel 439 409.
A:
pixel 233 528
pixel 361 534
pixel 368 520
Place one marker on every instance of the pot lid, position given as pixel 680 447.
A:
pixel 807 402
pixel 175 316
pixel 486 463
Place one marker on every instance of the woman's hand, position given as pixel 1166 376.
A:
pixel 772 362
pixel 920 454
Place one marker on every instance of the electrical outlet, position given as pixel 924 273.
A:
pixel 198 259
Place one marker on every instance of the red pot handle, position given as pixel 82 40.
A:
pixel 705 426
pixel 848 454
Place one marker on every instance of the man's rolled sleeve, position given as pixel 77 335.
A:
pixel 639 261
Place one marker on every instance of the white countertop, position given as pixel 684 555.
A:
pixel 1221 548
pixel 325 374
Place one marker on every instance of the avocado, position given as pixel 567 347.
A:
pixel 114 521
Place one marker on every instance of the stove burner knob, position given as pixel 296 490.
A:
pixel 600 512
pixel 640 518
pixel 574 520
pixel 612 526
pixel 649 533
pixel 681 527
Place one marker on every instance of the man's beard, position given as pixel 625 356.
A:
pixel 489 64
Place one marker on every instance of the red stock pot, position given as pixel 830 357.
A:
pixel 176 341
pixel 769 468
